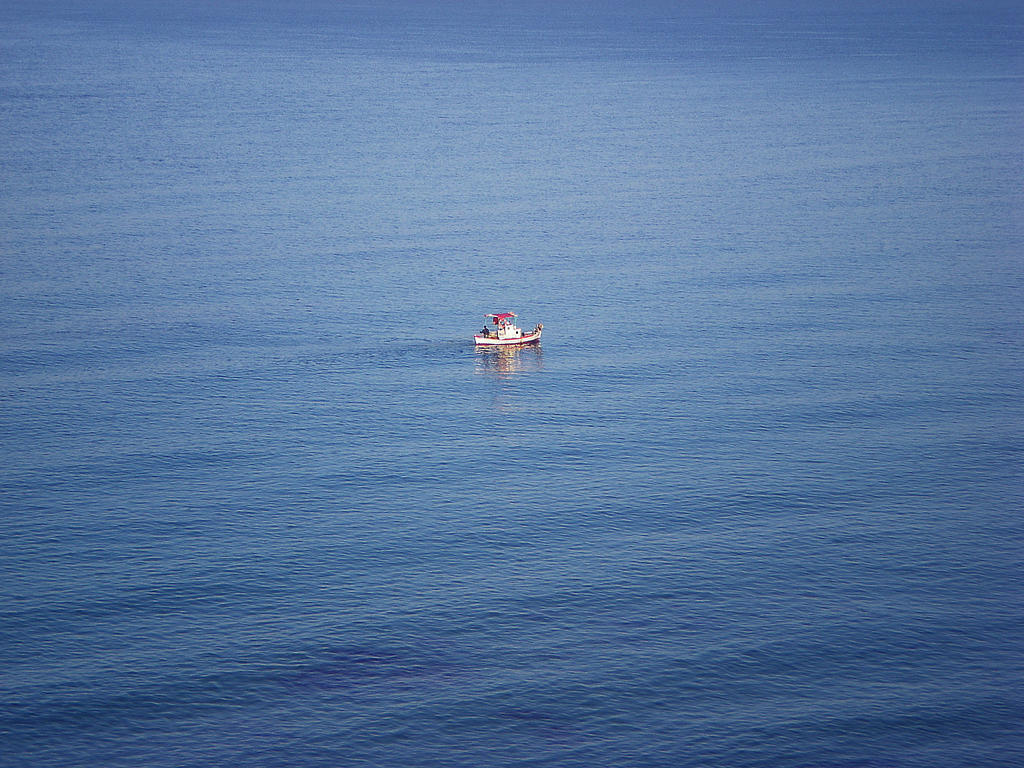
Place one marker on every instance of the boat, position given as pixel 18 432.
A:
pixel 505 332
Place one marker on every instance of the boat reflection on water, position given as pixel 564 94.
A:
pixel 508 361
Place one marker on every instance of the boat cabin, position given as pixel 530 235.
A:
pixel 504 326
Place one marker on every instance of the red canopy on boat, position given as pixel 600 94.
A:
pixel 502 315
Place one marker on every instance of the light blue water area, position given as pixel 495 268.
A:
pixel 754 500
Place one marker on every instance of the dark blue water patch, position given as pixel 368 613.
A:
pixel 348 667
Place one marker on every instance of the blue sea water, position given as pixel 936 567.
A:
pixel 754 501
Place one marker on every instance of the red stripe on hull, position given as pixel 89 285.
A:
pixel 485 341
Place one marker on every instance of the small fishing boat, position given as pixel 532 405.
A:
pixel 505 331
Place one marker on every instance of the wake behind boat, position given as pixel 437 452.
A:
pixel 505 332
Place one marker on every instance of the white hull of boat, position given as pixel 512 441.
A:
pixel 494 341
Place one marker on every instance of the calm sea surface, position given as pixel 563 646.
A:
pixel 755 500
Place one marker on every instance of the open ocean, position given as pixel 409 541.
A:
pixel 755 500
